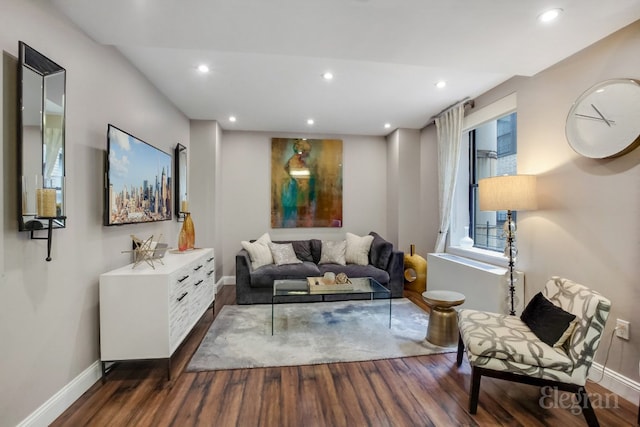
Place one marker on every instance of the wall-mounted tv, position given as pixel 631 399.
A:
pixel 138 180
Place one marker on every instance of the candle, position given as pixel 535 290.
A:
pixel 184 206
pixel 47 206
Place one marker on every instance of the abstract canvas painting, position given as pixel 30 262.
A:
pixel 306 182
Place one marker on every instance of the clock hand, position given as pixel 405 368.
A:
pixel 586 116
pixel 600 114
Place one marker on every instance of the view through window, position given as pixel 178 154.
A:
pixel 492 152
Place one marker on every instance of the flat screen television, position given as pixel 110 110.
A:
pixel 138 180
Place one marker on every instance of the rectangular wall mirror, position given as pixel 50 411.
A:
pixel 41 134
pixel 182 202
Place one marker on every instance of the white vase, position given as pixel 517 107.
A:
pixel 466 241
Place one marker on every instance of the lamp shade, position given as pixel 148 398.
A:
pixel 508 192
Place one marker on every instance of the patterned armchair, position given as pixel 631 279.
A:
pixel 503 346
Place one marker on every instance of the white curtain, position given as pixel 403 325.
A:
pixel 53 144
pixel 449 133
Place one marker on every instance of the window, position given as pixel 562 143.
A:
pixel 492 152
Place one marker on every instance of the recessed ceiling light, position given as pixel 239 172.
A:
pixel 310 121
pixel 328 75
pixel 549 15
pixel 387 125
pixel 441 84
pixel 203 68
pixel 232 118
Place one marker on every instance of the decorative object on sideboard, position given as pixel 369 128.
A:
pixel 510 193
pixel 466 242
pixel 180 160
pixel 415 271
pixel 187 236
pixel 41 148
pixel 148 251
pixel 604 121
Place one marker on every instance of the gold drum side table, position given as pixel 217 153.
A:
pixel 442 329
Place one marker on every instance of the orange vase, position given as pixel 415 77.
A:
pixel 182 240
pixel 189 232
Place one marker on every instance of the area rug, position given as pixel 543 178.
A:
pixel 313 333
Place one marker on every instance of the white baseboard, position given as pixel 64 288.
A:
pixel 65 397
pixel 611 380
pixel 229 280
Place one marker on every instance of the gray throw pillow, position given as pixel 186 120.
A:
pixel 380 252
pixel 333 252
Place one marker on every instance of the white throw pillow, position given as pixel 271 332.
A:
pixel 283 253
pixel 357 251
pixel 259 251
pixel 333 252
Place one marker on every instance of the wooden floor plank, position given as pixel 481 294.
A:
pixel 422 390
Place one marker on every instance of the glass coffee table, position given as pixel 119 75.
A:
pixel 282 289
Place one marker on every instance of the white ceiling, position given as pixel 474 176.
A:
pixel 267 56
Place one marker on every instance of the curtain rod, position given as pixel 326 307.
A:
pixel 466 102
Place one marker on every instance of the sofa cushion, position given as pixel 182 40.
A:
pixel 264 276
pixel 333 252
pixel 354 270
pixel 303 250
pixel 357 251
pixel 283 253
pixel 380 252
pixel 259 251
pixel 316 249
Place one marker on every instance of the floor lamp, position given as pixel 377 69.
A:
pixel 510 193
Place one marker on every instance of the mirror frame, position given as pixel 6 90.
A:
pixel 32 60
pixel 181 179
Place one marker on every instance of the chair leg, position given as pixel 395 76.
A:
pixel 474 391
pixel 460 350
pixel 587 409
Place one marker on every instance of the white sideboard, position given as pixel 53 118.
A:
pixel 146 312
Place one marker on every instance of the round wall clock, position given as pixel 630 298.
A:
pixel 605 120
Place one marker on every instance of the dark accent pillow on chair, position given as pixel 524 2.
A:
pixel 548 321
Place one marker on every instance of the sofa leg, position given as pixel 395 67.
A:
pixel 587 409
pixel 460 350
pixel 474 391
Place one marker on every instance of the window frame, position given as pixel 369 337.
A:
pixel 464 198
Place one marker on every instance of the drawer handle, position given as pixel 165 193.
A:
pixel 198 268
pixel 210 272
pixel 198 282
pixel 183 279
pixel 210 259
pixel 182 296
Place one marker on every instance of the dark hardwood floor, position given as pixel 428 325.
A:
pixel 414 391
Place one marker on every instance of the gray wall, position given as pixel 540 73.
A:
pixel 49 310
pixel 586 227
pixel 246 181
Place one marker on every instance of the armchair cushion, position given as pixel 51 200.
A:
pixel 549 322
pixel 507 338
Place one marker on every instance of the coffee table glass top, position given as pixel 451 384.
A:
pixel 361 285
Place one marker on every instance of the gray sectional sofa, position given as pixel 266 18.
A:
pixel 255 286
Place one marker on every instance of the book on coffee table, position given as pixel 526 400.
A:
pixel 322 285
